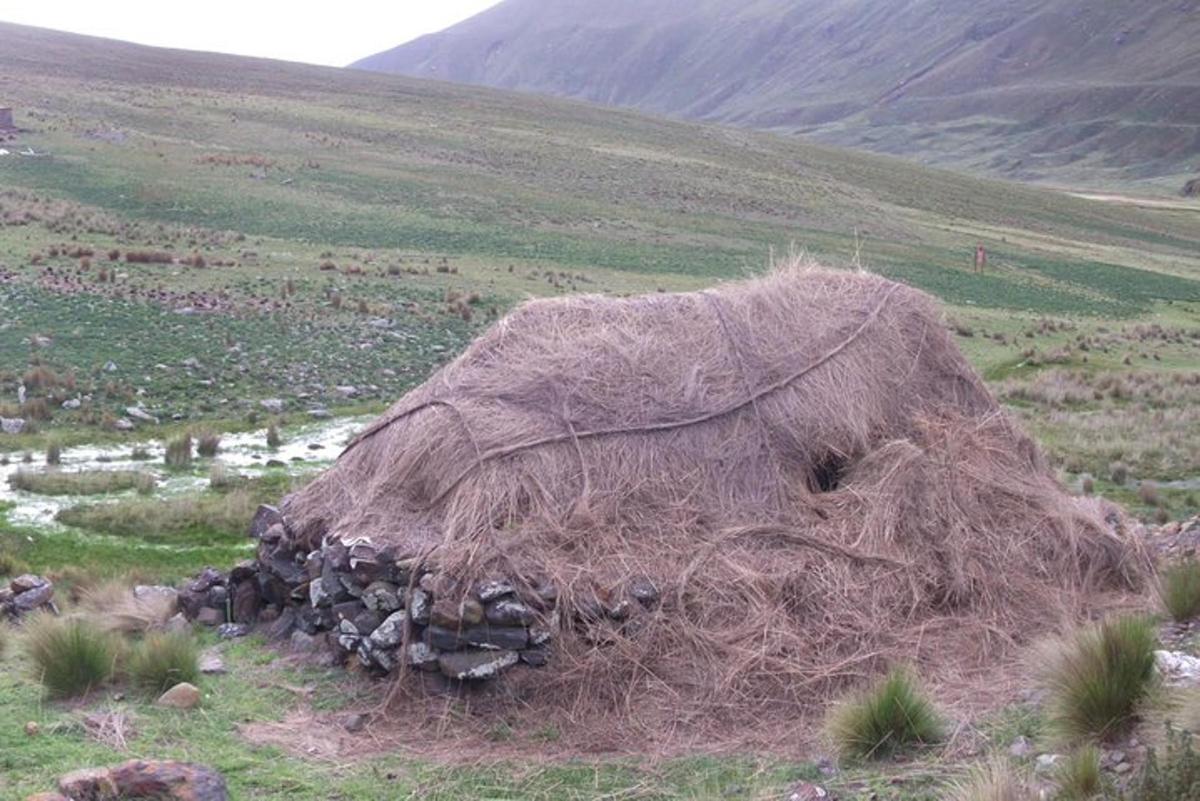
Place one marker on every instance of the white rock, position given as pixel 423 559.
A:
pixel 1178 669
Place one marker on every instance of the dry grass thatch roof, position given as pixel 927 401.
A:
pixel 804 464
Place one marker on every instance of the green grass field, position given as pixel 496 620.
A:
pixel 333 237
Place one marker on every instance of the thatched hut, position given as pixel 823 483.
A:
pixel 723 503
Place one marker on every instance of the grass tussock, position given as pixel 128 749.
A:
pixel 1079 778
pixel 187 519
pixel 890 717
pixel 112 606
pixel 179 452
pixel 70 656
pixel 1098 678
pixel 273 438
pixel 1173 776
pixel 163 659
pixel 207 444
pixel 89 482
pixel 994 781
pixel 1179 589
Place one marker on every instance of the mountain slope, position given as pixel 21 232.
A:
pixel 352 158
pixel 1038 89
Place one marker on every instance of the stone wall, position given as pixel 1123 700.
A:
pixel 364 603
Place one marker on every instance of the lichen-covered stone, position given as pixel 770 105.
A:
pixel 476 665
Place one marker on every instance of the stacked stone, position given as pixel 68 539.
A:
pixel 370 604
pixel 25 594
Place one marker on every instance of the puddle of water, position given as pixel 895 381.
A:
pixel 304 447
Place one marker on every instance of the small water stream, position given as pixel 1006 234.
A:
pixel 304 448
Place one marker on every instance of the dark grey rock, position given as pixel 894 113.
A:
pixel 207 616
pixel 390 632
pixel 283 625
pixel 32 599
pixel 228 631
pixel 346 610
pixel 476 665
pixel 509 612
pixel 420 607
pixel 421 656
pixel 644 591
pixel 382 596
pixel 490 637
pixel 492 590
pixel 537 656
pixel 264 517
pixel 451 614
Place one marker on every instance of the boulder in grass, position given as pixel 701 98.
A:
pixel 476 665
pixel 168 780
pixel 182 696
pixel 88 784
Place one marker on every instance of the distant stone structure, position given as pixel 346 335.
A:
pixel 6 118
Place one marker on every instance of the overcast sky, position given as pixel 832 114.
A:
pixel 332 32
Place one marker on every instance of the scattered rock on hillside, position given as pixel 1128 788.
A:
pixel 25 594
pixel 11 425
pixel 805 791
pixel 181 696
pixel 138 413
pixel 272 405
pixel 165 780
pixel 1192 188
pixel 1178 669
pixel 1176 539
pixel 170 780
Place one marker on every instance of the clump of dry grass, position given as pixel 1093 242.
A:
pixel 207 444
pixel 179 452
pixel 995 780
pixel 112 606
pixel 84 482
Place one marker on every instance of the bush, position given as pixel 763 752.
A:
pixel 208 444
pixel 890 716
pixel 273 438
pixel 54 453
pixel 1179 589
pixel 69 656
pixel 995 781
pixel 1098 678
pixel 179 452
pixel 1079 778
pixel 1175 778
pixel 162 660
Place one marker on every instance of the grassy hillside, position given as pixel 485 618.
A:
pixel 1066 90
